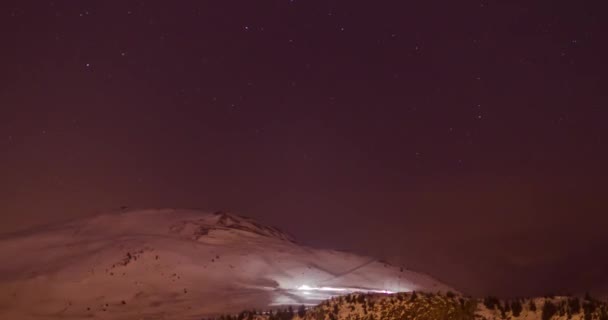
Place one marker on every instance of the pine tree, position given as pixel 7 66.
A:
pixel 516 308
pixel 589 307
pixel 603 313
pixel 360 299
pixel 413 296
pixel 574 305
pixel 532 306
pixel 491 302
pixel 271 315
pixel 562 308
pixel 301 311
pixel 549 310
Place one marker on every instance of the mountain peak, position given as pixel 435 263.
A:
pixel 230 220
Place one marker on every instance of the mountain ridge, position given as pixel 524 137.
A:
pixel 156 262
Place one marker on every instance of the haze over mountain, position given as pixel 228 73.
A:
pixel 178 264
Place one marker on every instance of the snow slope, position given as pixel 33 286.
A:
pixel 177 264
pixel 450 306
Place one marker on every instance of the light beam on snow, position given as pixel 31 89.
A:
pixel 307 289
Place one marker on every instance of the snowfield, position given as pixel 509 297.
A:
pixel 177 264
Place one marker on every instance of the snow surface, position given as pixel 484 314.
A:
pixel 177 264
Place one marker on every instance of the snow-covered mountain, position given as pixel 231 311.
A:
pixel 177 264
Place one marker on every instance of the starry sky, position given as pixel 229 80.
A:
pixel 466 139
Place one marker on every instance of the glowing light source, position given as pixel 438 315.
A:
pixel 306 288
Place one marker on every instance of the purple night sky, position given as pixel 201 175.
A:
pixel 466 139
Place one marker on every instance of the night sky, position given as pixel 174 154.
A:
pixel 466 139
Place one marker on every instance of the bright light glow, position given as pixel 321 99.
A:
pixel 381 291
pixel 332 289
pixel 306 288
pixel 311 295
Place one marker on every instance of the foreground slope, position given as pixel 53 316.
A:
pixel 177 264
pixel 431 306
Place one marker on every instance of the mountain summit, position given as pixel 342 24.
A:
pixel 177 264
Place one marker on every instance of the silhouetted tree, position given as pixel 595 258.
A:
pixel 574 305
pixel 302 311
pixel 370 304
pixel 360 299
pixel 549 310
pixel 562 308
pixel 413 296
pixel 516 308
pixel 532 305
pixel 589 308
pixel 491 302
pixel 271 315
pixel 603 313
